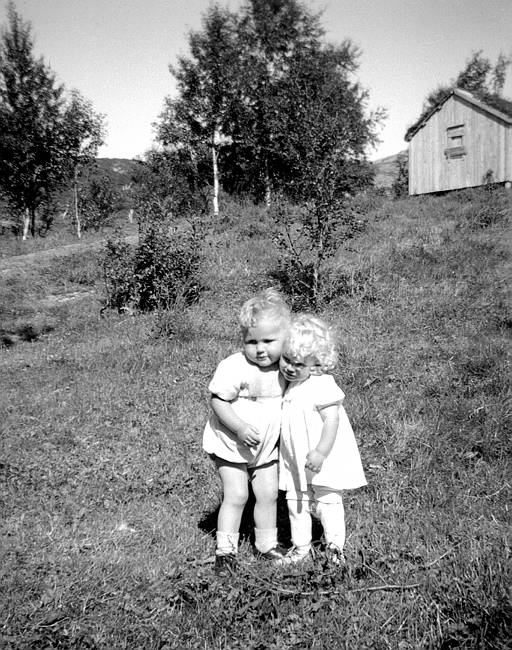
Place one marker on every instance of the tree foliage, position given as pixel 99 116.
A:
pixel 168 185
pixel 400 184
pixel 98 200
pixel 275 107
pixel 479 77
pixel 44 134
pixel 273 37
pixel 282 118
pixel 319 127
pixel 198 122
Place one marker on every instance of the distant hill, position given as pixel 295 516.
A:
pixel 120 170
pixel 386 169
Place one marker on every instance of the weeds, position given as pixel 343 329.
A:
pixel 482 207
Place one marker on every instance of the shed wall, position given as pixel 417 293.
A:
pixel 487 142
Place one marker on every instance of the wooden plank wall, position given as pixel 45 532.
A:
pixel 488 144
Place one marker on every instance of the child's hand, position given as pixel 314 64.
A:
pixel 314 460
pixel 249 436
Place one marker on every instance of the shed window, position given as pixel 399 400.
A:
pixel 455 142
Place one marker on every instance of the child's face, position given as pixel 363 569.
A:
pixel 263 343
pixel 294 368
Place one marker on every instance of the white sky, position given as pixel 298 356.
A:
pixel 117 53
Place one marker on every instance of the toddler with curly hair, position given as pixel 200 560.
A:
pixel 318 452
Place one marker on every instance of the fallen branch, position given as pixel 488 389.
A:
pixel 431 564
pixel 326 592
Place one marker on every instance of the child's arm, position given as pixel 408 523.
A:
pixel 243 431
pixel 315 457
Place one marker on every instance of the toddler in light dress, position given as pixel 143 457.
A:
pixel 319 457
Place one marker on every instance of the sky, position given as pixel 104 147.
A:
pixel 117 53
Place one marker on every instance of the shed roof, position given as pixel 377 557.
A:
pixel 494 105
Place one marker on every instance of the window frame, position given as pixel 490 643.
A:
pixel 455 142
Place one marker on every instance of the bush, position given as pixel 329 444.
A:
pixel 400 185
pixel 163 269
pixel 167 268
pixel 297 279
pixel 118 265
pixel 97 201
pixel 308 241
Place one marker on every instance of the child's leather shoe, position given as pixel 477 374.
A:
pixel 225 565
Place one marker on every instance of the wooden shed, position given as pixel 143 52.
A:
pixel 462 142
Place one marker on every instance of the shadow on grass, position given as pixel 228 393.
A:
pixel 28 333
pixel 208 523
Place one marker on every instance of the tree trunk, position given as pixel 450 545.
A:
pixel 64 213
pixel 268 189
pixel 317 265
pixel 316 285
pixel 77 214
pixel 26 224
pixel 215 181
pixel 216 143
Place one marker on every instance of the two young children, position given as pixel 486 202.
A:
pixel 278 422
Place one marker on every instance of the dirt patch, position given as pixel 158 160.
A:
pixel 21 263
pixel 54 299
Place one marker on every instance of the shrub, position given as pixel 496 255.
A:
pixel 400 185
pixel 118 265
pixel 163 269
pixel 308 239
pixel 167 268
pixel 97 201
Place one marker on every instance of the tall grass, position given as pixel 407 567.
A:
pixel 109 504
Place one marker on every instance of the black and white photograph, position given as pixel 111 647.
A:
pixel 255 324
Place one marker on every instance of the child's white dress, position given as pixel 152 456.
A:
pixel 301 428
pixel 255 394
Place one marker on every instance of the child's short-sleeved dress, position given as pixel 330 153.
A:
pixel 301 429
pixel 256 395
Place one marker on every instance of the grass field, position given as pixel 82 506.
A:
pixel 108 503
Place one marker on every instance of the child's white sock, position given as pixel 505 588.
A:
pixel 227 543
pixel 265 539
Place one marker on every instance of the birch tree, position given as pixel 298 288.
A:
pixel 479 77
pixel 271 35
pixel 42 132
pixel 207 85
pixel 269 100
pixel 84 135
pixel 323 129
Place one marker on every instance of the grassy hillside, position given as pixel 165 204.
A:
pixel 386 169
pixel 120 170
pixel 109 503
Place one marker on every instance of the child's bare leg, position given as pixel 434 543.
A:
pixel 235 494
pixel 265 488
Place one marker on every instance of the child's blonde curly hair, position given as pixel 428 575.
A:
pixel 268 304
pixel 310 336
